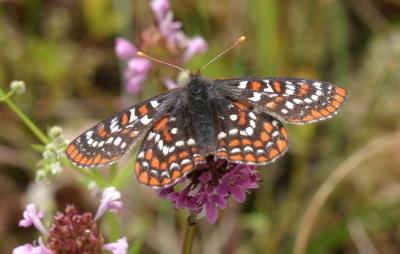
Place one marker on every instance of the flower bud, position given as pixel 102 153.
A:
pixel 55 131
pixel 18 87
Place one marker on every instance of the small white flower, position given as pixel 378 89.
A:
pixel 110 201
pixel 118 247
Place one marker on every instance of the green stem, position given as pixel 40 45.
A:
pixel 5 96
pixel 39 134
pixel 189 233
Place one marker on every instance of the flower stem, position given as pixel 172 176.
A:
pixel 39 134
pixel 189 233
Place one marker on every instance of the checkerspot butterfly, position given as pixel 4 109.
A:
pixel 234 119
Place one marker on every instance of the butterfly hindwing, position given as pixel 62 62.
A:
pixel 246 136
pixel 168 152
pixel 107 141
pixel 295 101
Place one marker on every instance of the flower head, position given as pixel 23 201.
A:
pixel 210 185
pixel 73 232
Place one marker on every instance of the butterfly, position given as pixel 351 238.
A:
pixel 238 120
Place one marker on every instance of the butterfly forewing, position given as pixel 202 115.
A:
pixel 296 101
pixel 247 136
pixel 168 152
pixel 107 141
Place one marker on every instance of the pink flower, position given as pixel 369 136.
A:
pixel 30 249
pixel 32 217
pixel 170 84
pixel 160 8
pixel 171 30
pixel 110 202
pixel 73 232
pixel 196 46
pixel 124 49
pixel 137 67
pixel 210 185
pixel 118 247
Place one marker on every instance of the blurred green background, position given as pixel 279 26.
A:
pixel 64 51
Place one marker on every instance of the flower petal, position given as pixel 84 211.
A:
pixel 118 247
pixel 195 46
pixel 124 49
pixel 211 212
pixel 238 194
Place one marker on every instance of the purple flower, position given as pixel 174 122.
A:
pixel 118 247
pixel 160 8
pixel 110 201
pixel 30 249
pixel 124 49
pixel 137 67
pixel 32 217
pixel 171 30
pixel 195 46
pixel 73 232
pixel 210 185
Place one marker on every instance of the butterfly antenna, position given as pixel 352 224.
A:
pixel 139 53
pixel 240 40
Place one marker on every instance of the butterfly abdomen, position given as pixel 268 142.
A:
pixel 201 115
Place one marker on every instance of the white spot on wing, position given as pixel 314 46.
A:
pixel 165 150
pixel 185 161
pixel 288 86
pixel 133 116
pixel 89 134
pixel 191 142
pixel 233 131
pixel 249 131
pixel 297 101
pixel 233 117
pixel 256 96
pixel 235 150
pixel 289 105
pixel 180 143
pixel 289 92
pixel 221 135
pixel 248 149
pixel 154 103
pixel 145 120
pixel 253 123
pixel 117 141
pixel 242 84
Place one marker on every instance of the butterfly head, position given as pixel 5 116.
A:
pixel 197 83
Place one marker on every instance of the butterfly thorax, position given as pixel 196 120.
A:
pixel 201 115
